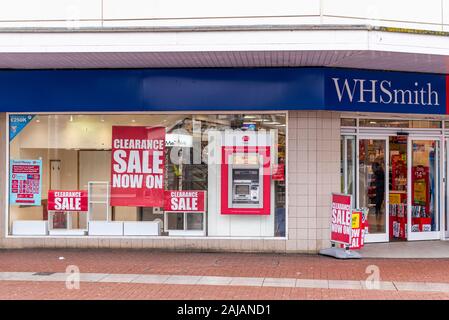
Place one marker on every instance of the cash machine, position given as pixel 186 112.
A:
pixel 246 176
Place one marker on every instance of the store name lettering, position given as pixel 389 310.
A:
pixel 382 91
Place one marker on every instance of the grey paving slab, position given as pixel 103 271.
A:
pixel 150 278
pixel 16 276
pixel 381 285
pixel 125 278
pixel 52 277
pixel 92 277
pixel 231 281
pixel 407 249
pixel 30 276
pixel 412 286
pixel 212 280
pixel 279 282
pixel 182 280
pixel 243 281
pixel 345 284
pixel 441 287
pixel 312 283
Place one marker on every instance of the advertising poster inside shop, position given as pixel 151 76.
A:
pixel 184 201
pixel 67 200
pixel 137 166
pixel 25 182
pixel 18 122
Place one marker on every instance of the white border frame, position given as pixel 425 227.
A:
pixel 6 205
pixel 430 235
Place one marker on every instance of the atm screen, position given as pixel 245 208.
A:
pixel 242 189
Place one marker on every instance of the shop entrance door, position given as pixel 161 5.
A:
pixel 446 163
pixel 423 203
pixel 372 185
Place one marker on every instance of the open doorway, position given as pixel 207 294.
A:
pixel 398 188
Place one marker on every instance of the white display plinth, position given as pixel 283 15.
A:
pixel 30 228
pixel 142 228
pixel 189 233
pixel 105 228
pixel 67 232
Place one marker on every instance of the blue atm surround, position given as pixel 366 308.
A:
pixel 239 89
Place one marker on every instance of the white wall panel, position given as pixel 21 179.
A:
pixel 383 23
pixel 445 12
pixel 428 11
pixel 50 10
pixel 150 9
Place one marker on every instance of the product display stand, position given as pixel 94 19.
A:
pixel 340 253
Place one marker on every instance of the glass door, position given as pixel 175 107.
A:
pixel 423 209
pixel 348 164
pixel 446 163
pixel 372 185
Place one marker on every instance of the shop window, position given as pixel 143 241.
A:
pixel 399 123
pixel 148 175
pixel 383 123
pixel 348 122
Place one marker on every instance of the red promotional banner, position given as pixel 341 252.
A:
pixel 279 172
pixel 341 225
pixel 184 201
pixel 67 200
pixel 137 168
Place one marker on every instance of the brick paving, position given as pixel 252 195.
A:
pixel 94 291
pixel 222 264
pixel 210 264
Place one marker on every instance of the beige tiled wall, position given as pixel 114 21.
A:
pixel 313 173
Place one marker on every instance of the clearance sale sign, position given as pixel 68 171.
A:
pixel 67 200
pixel 341 224
pixel 184 201
pixel 137 168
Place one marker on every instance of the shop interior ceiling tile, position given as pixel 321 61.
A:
pixel 349 59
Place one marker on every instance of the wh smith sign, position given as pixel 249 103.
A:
pixel 385 92
pixel 232 89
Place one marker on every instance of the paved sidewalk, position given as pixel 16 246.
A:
pixel 225 281
pixel 140 274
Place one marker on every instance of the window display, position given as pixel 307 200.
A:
pixel 110 174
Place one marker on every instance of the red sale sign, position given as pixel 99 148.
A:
pixel 184 201
pixel 341 224
pixel 137 168
pixel 357 230
pixel 67 200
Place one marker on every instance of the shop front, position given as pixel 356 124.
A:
pixel 154 175
pixel 219 159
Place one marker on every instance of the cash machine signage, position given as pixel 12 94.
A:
pixel 246 175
